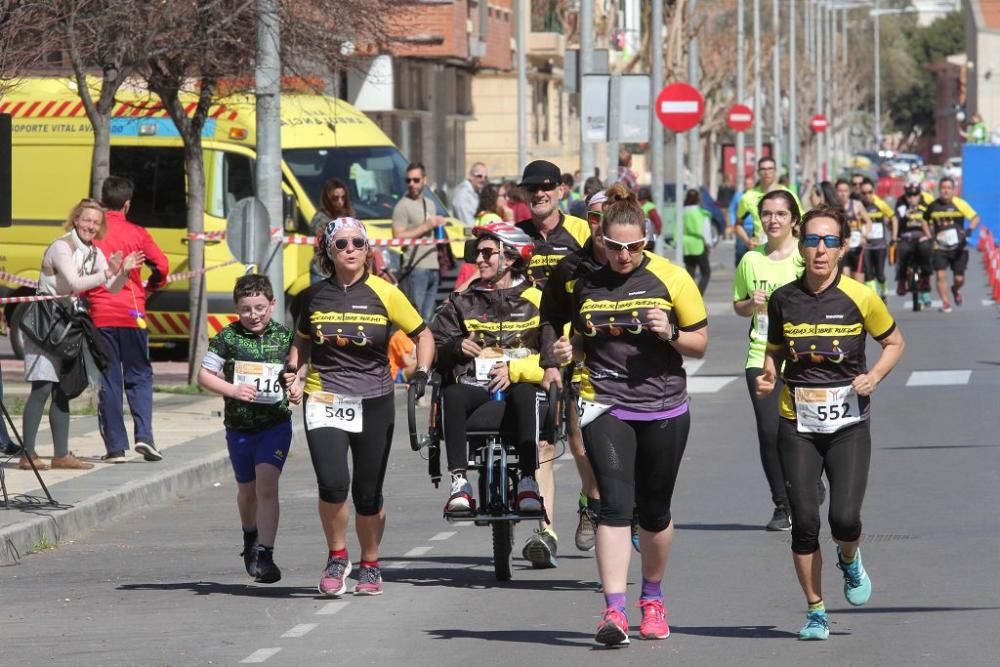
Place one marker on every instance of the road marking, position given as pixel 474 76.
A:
pixel 989 302
pixel 443 536
pixel 692 365
pixel 708 384
pixel 937 378
pixel 260 655
pixel 397 565
pixel 331 608
pixel 556 466
pixel 462 524
pixel 417 551
pixel 300 630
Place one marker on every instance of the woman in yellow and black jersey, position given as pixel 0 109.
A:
pixel 914 243
pixel 487 341
pixel 817 327
pixel 859 225
pixel 634 319
pixel 342 338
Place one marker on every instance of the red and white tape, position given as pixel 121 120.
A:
pixel 174 277
pixel 17 280
pixel 28 299
pixel 299 239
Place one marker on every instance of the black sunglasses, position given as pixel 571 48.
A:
pixel 829 240
pixel 487 253
pixel 547 187
pixel 413 180
pixel 618 246
pixel 358 243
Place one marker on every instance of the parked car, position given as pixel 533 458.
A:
pixel 707 202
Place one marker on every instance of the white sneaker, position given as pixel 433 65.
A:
pixel 528 499
pixel 148 451
pixel 460 499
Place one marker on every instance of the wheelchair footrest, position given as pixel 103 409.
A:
pixel 462 515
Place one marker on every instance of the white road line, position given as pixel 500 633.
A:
pixel 300 630
pixel 556 466
pixel 462 524
pixel 443 536
pixel 937 378
pixel 260 655
pixel 708 384
pixel 331 608
pixel 989 302
pixel 417 551
pixel 397 565
pixel 692 365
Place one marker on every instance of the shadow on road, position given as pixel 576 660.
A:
pixel 214 588
pixel 939 447
pixel 719 526
pixel 906 610
pixel 473 572
pixel 734 631
pixel 549 636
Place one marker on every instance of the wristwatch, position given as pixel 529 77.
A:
pixel 675 333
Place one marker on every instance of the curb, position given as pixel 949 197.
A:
pixel 18 539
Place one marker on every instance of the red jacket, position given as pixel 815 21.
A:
pixel 119 310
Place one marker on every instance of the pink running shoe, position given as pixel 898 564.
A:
pixel 333 581
pixel 369 581
pixel 613 628
pixel 654 620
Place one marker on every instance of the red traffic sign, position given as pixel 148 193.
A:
pixel 679 107
pixel 739 118
pixel 818 123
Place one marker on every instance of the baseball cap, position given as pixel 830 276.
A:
pixel 541 172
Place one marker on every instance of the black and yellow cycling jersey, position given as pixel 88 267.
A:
pixel 504 320
pixel 822 336
pixel 911 220
pixel 947 220
pixel 880 215
pixel 349 330
pixel 566 237
pixel 556 308
pixel 625 364
pixel 854 223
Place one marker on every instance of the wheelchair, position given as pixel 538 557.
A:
pixel 493 457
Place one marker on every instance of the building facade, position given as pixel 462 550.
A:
pixel 982 50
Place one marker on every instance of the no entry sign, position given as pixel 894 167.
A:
pixel 818 123
pixel 739 118
pixel 679 107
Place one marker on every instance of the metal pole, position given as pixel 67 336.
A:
pixel 522 85
pixel 831 76
pixel 694 139
pixel 586 67
pixel 758 126
pixel 267 80
pixel 820 159
pixel 679 199
pixel 656 84
pixel 776 81
pixel 614 120
pixel 793 127
pixel 878 83
pixel 740 93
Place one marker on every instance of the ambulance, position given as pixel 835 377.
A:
pixel 321 138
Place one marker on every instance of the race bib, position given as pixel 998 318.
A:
pixel 485 364
pixel 590 410
pixel 826 410
pixel 855 241
pixel 326 410
pixel 878 231
pixel 948 238
pixel 760 331
pixel 265 378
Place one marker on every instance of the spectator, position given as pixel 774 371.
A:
pixel 415 217
pixel 335 202
pixel 591 187
pixel 746 222
pixel 504 202
pixel 625 173
pixel 466 199
pixel 654 222
pixel 517 201
pixel 977 132
pixel 568 195
pixel 121 320
pixel 697 239
pixel 73 264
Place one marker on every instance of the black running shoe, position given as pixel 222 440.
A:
pixel 267 571
pixel 249 552
pixel 780 521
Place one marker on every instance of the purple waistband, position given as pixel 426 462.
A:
pixel 631 415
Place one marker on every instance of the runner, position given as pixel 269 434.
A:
pixel 761 271
pixel 817 327
pixel 342 341
pixel 555 235
pixel 556 312
pixel 883 226
pixel 250 354
pixel 767 180
pixel 487 341
pixel 947 215
pixel 860 225
pixel 914 245
pixel 634 415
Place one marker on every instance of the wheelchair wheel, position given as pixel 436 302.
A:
pixel 503 544
pixel 914 289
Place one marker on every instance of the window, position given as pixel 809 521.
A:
pixel 540 110
pixel 160 198
pixel 237 179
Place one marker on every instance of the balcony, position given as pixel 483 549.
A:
pixel 546 38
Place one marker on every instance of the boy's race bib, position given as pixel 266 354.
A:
pixel 265 378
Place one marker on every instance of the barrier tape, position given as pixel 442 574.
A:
pixel 174 277
pixel 298 239
pixel 17 280
pixel 38 297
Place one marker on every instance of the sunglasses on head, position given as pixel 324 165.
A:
pixel 618 246
pixel 829 240
pixel 358 243
pixel 547 187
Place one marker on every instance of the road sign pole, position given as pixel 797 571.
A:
pixel 740 95
pixel 656 58
pixel 678 199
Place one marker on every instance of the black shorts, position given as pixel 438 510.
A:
pixel 852 260
pixel 956 260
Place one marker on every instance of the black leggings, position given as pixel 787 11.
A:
pixel 369 457
pixel 636 466
pixel 702 265
pixel 875 264
pixel 58 417
pixel 765 410
pixel 520 417
pixel 913 253
pixel 845 456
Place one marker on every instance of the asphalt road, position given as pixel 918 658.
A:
pixel 165 586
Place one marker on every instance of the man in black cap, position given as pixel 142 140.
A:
pixel 556 235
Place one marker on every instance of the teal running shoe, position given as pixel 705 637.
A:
pixel 816 626
pixel 857 585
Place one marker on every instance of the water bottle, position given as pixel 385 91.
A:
pixel 498 395
pixel 439 233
